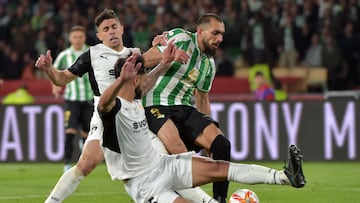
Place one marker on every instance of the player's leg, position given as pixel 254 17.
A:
pixel 218 146
pixel 91 156
pixel 87 112
pixel 82 140
pixel 216 170
pixel 196 194
pixel 169 135
pixel 207 135
pixel 70 134
pixel 205 170
pixel 159 122
pixel 71 119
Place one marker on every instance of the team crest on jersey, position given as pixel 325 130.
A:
pixel 190 52
pixel 191 79
pixel 156 113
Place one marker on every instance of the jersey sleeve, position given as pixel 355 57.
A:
pixel 111 114
pixel 205 83
pixel 178 35
pixel 109 121
pixel 58 63
pixel 82 64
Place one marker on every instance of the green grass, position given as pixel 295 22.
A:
pixel 327 182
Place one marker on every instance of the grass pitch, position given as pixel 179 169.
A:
pixel 32 182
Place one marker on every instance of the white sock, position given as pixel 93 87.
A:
pixel 196 195
pixel 255 174
pixel 66 185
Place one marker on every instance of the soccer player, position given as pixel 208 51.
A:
pixel 151 176
pixel 98 61
pixel 77 94
pixel 168 105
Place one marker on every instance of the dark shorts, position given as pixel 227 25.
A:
pixel 78 114
pixel 187 119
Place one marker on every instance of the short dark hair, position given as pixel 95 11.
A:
pixel 77 28
pixel 205 19
pixel 259 73
pixel 121 61
pixel 104 15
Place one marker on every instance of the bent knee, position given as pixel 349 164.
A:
pixel 220 148
pixel 88 163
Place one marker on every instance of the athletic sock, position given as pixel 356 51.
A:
pixel 255 174
pixel 196 195
pixel 220 149
pixel 65 186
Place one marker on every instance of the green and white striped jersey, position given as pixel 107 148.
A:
pixel 176 86
pixel 78 89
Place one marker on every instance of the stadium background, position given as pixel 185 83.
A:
pixel 254 35
pixel 256 31
pixel 326 128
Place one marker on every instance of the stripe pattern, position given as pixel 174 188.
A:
pixel 78 89
pixel 177 85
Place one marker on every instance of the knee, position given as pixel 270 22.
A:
pixel 87 163
pixel 220 148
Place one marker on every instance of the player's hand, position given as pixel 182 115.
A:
pixel 168 55
pixel 160 39
pixel 181 56
pixel 57 91
pixel 130 68
pixel 44 62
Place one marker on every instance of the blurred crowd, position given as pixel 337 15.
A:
pixel 277 32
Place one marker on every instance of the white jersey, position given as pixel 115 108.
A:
pixel 98 61
pixel 127 150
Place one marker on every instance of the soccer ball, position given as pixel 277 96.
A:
pixel 244 196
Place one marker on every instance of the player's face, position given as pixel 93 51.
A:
pixel 77 39
pixel 211 36
pixel 110 32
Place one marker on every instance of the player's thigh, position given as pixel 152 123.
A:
pixel 173 172
pixel 206 138
pixel 96 128
pixel 169 135
pixel 200 129
pixel 206 170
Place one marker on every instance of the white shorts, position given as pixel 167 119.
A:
pixel 96 125
pixel 159 184
pixel 156 143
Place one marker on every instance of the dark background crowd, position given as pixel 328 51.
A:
pixel 309 33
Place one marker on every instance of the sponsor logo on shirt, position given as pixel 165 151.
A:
pixel 156 113
pixel 191 79
pixel 103 57
pixel 139 124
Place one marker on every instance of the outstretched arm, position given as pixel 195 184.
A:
pixel 170 54
pixel 129 71
pixel 57 77
pixel 153 55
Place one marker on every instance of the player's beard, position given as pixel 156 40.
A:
pixel 208 49
pixel 138 93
